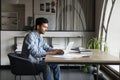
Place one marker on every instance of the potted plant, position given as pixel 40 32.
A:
pixel 94 43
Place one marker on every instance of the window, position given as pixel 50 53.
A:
pixel 111 29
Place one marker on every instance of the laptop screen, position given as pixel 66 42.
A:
pixel 69 47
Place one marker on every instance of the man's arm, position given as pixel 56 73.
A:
pixel 55 51
pixel 51 51
pixel 32 46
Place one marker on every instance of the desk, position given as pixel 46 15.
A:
pixel 98 57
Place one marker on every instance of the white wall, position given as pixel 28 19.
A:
pixel 7 41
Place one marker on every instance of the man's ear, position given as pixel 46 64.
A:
pixel 38 27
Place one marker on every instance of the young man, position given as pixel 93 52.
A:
pixel 35 48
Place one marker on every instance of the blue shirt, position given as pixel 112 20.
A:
pixel 34 46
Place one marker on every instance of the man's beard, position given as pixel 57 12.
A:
pixel 42 32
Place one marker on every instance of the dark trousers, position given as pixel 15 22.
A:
pixel 47 70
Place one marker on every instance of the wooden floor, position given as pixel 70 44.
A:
pixel 66 74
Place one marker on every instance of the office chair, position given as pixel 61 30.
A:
pixel 22 66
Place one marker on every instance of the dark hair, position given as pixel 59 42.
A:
pixel 40 21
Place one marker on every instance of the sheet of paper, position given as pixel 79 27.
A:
pixel 68 56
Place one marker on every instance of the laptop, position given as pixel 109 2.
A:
pixel 68 48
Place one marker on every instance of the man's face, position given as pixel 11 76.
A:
pixel 42 29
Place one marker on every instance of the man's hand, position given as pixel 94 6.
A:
pixel 55 51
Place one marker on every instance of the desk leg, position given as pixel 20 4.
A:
pixel 119 71
pixel 97 71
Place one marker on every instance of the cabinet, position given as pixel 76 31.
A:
pixel 9 20
pixel 54 41
pixel 18 41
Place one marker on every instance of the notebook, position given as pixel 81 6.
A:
pixel 83 50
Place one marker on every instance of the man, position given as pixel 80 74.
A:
pixel 35 48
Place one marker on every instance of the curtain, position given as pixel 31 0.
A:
pixel 70 16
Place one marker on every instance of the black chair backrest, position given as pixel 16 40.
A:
pixel 21 65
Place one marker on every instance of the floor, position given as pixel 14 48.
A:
pixel 66 74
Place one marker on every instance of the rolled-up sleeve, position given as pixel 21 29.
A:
pixel 47 47
pixel 44 45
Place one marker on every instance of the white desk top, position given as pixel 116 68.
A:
pixel 97 57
